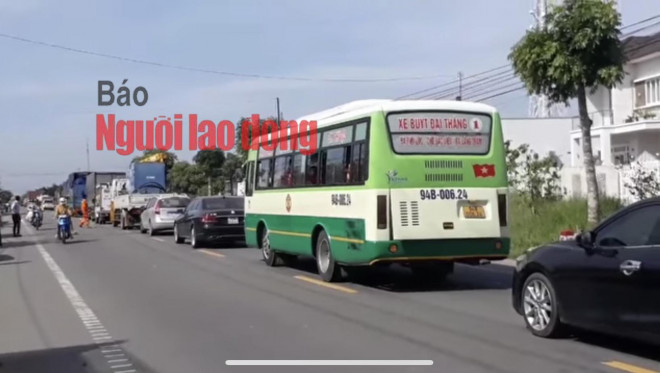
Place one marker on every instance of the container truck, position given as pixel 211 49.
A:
pixel 95 180
pixel 130 196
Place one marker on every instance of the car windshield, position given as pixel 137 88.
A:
pixel 174 202
pixel 222 203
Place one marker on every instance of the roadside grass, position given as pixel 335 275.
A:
pixel 542 221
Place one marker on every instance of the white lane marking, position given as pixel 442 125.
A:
pixel 84 312
pixel 120 366
pixel 115 355
pixel 117 360
pixel 329 362
pixel 126 371
pixel 158 239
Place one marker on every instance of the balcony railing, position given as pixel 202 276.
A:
pixel 599 119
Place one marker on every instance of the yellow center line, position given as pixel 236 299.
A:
pixel 211 253
pixel 325 284
pixel 628 367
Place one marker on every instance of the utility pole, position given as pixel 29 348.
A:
pixel 460 86
pixel 88 168
pixel 278 113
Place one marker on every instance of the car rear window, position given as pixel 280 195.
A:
pixel 222 203
pixel 174 202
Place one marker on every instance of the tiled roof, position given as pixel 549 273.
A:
pixel 639 46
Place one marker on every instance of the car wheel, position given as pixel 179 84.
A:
pixel 270 257
pixel 177 238
pixel 194 242
pixel 540 307
pixel 327 267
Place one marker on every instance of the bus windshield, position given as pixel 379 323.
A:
pixel 447 133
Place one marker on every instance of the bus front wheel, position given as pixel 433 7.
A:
pixel 328 268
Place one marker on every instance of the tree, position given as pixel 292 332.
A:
pixel 210 162
pixel 643 182
pixel 533 177
pixel 5 195
pixel 579 50
pixel 187 178
pixel 232 168
pixel 238 147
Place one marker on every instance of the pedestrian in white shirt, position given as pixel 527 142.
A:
pixel 16 216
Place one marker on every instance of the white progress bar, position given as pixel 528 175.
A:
pixel 329 362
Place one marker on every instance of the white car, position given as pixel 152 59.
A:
pixel 48 205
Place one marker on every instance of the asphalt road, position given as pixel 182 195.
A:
pixel 121 301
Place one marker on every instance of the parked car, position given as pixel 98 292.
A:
pixel 161 212
pixel 48 204
pixel 606 280
pixel 211 220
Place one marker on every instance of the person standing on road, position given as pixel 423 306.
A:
pixel 85 211
pixel 16 216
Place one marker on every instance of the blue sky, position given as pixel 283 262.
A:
pixel 48 97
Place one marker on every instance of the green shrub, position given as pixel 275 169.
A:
pixel 546 219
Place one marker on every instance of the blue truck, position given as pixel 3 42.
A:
pixel 75 188
pixel 145 180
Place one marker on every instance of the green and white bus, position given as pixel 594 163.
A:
pixel 421 183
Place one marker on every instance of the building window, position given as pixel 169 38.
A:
pixel 647 92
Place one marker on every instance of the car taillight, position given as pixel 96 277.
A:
pixel 157 208
pixel 501 209
pixel 209 218
pixel 381 208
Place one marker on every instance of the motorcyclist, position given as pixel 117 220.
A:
pixel 63 209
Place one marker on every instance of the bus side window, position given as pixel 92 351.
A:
pixel 249 181
pixel 264 174
pixel 299 169
pixel 359 162
pixel 312 173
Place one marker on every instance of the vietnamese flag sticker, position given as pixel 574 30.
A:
pixel 484 170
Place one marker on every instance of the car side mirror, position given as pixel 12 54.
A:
pixel 586 240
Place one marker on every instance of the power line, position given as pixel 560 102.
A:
pixel 641 29
pixel 476 96
pixel 444 93
pixel 484 85
pixel 452 90
pixel 453 81
pixel 503 93
pixel 209 71
pixel 642 21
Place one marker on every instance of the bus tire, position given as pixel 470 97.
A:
pixel 271 258
pixel 329 270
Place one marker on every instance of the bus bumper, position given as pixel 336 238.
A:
pixel 464 250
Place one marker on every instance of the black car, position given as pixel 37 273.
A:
pixel 606 280
pixel 211 220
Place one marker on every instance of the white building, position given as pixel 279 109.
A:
pixel 626 123
pixel 543 135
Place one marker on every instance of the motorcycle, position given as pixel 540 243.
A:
pixel 37 219
pixel 63 228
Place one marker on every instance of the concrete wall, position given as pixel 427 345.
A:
pixel 542 134
pixel 574 184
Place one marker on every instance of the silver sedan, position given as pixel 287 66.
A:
pixel 161 212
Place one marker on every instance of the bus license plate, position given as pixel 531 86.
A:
pixel 232 220
pixel 474 212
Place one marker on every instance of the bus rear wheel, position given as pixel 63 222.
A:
pixel 329 270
